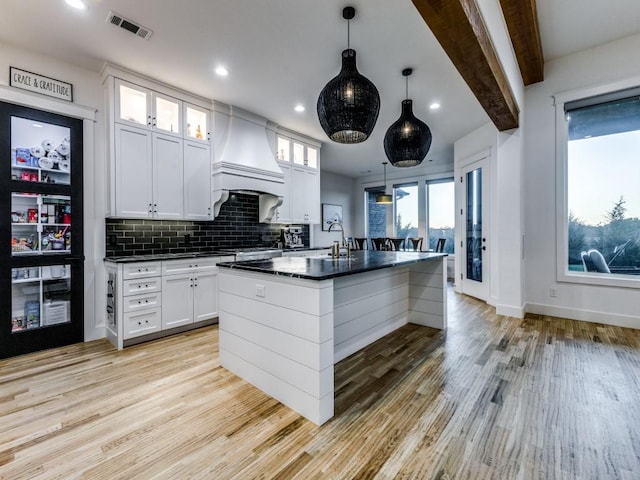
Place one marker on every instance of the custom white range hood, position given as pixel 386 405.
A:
pixel 244 159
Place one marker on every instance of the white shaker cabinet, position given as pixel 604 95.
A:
pixel 148 174
pixel 178 300
pixel 159 149
pixel 168 177
pixel 190 290
pixel 197 184
pixel 133 165
pixel 299 161
pixel 305 195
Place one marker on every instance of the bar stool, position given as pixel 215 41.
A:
pixel 415 244
pixel 379 243
pixel 360 243
pixel 440 245
pixel 395 243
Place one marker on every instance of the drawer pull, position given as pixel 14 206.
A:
pixel 139 302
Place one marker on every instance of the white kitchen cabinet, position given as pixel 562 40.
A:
pixel 197 181
pixel 148 174
pixel 160 150
pixel 178 300
pixel 197 124
pixel 154 297
pixel 190 290
pixel 143 107
pixel 305 195
pixel 133 166
pixel 205 297
pixel 168 177
pixel 299 161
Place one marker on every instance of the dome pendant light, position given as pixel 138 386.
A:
pixel 383 197
pixel 408 139
pixel 349 104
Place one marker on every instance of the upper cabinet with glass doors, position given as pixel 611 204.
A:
pixel 139 106
pixel 296 152
pixel 142 107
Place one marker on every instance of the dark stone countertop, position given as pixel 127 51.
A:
pixel 322 268
pixel 164 256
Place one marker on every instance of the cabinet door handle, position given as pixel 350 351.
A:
pixel 149 120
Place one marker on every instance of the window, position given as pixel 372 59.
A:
pixel 405 198
pixel 600 233
pixel 441 213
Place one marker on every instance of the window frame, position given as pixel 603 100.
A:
pixel 588 96
pixel 394 215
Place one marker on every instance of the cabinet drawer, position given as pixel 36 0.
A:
pixel 140 302
pixel 144 285
pixel 140 270
pixel 142 323
pixel 171 267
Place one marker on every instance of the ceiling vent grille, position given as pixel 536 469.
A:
pixel 128 25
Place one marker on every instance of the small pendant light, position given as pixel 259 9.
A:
pixel 383 197
pixel 349 104
pixel 408 139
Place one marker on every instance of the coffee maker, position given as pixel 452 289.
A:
pixel 291 237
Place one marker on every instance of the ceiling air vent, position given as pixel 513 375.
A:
pixel 119 21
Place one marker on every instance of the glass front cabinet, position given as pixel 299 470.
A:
pixel 41 303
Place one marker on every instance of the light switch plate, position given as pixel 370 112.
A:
pixel 259 290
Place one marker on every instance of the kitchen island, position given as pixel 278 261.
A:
pixel 285 322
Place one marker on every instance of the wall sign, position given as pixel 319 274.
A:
pixel 40 84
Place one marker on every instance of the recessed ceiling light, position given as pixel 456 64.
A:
pixel 79 4
pixel 299 108
pixel 37 125
pixel 222 71
pixel 434 106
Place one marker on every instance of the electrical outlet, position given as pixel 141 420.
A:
pixel 260 291
pixel 553 292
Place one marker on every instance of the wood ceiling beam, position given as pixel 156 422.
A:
pixel 522 22
pixel 458 26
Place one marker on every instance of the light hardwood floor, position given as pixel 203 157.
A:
pixel 494 397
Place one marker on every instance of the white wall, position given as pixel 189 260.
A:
pixel 506 159
pixel 87 91
pixel 337 190
pixel 620 306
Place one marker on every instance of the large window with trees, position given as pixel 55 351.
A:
pixel 405 199
pixel 602 188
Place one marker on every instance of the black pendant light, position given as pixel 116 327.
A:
pixel 383 197
pixel 408 139
pixel 349 104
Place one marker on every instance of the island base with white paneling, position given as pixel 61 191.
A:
pixel 285 322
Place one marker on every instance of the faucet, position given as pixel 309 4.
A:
pixel 333 224
pixel 344 242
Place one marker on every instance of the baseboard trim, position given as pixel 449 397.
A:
pixel 617 320
pixel 510 311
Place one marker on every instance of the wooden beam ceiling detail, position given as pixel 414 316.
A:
pixel 522 22
pixel 458 26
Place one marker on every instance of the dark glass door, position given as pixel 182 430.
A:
pixel 41 271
